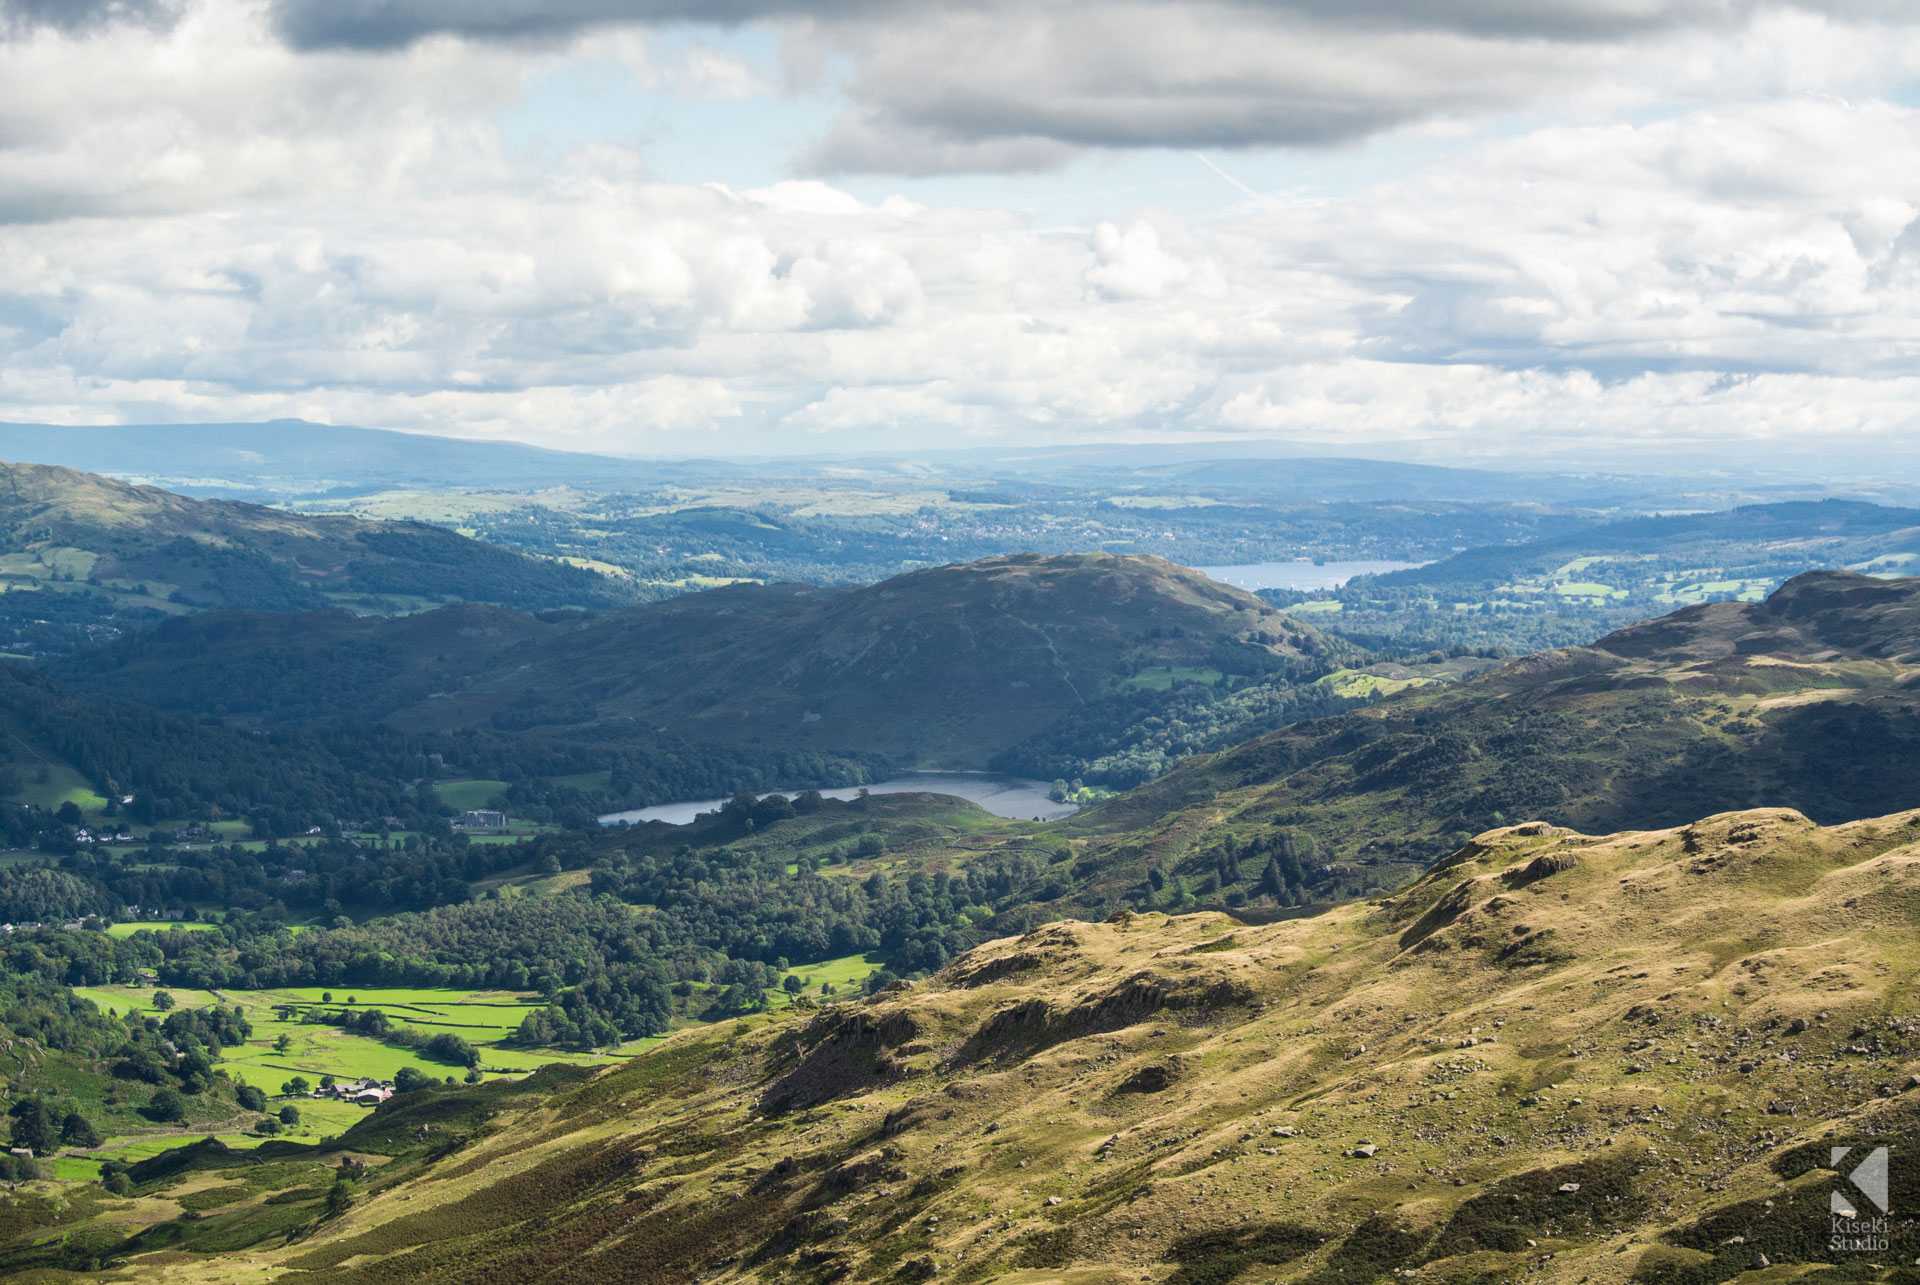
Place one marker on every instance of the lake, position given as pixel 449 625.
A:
pixel 1005 796
pixel 1300 575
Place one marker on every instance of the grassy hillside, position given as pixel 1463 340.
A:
pixel 949 666
pixel 1810 699
pixel 1556 1057
pixel 84 557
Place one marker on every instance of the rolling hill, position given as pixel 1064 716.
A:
pixel 1810 699
pixel 1574 587
pixel 947 666
pixel 1807 700
pixel 1557 1057
pixel 83 557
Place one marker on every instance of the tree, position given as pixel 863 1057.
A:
pixel 412 1078
pixel 250 1097
pixel 448 1047
pixel 69 813
pixel 117 1183
pixel 163 1000
pixel 792 984
pixel 340 1197
pixel 78 1131
pixel 296 1087
pixel 34 1126
pixel 289 1114
pixel 167 1107
pixel 326 997
pixel 266 1126
pixel 284 1044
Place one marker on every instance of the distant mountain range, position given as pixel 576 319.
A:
pixel 291 456
pixel 283 458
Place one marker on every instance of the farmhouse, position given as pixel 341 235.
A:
pixel 365 1093
pixel 481 819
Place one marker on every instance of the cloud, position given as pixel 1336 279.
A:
pixel 1131 264
pixel 18 16
pixel 979 86
pixel 395 24
pixel 387 24
pixel 993 86
pixel 228 227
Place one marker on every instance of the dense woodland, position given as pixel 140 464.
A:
pixel 1123 739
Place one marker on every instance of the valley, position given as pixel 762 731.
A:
pixel 1509 1067
pixel 1209 1021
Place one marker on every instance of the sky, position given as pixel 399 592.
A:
pixel 1573 230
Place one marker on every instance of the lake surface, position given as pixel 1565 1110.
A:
pixel 1300 575
pixel 1005 796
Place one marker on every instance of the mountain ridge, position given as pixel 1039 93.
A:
pixel 983 654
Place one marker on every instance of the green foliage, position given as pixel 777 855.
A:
pixel 78 1131
pixel 35 1126
pixel 411 1079
pixel 38 894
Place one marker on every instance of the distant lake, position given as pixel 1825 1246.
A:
pixel 1300 575
pixel 1004 796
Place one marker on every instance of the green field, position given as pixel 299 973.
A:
pixel 1160 678
pixel 847 973
pixel 155 926
pixel 1355 683
pixel 1699 591
pixel 86 1168
pixel 1575 567
pixel 482 1019
pixel 61 785
pixel 465 796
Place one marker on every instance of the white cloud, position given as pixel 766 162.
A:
pixel 208 224
pixel 1131 264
